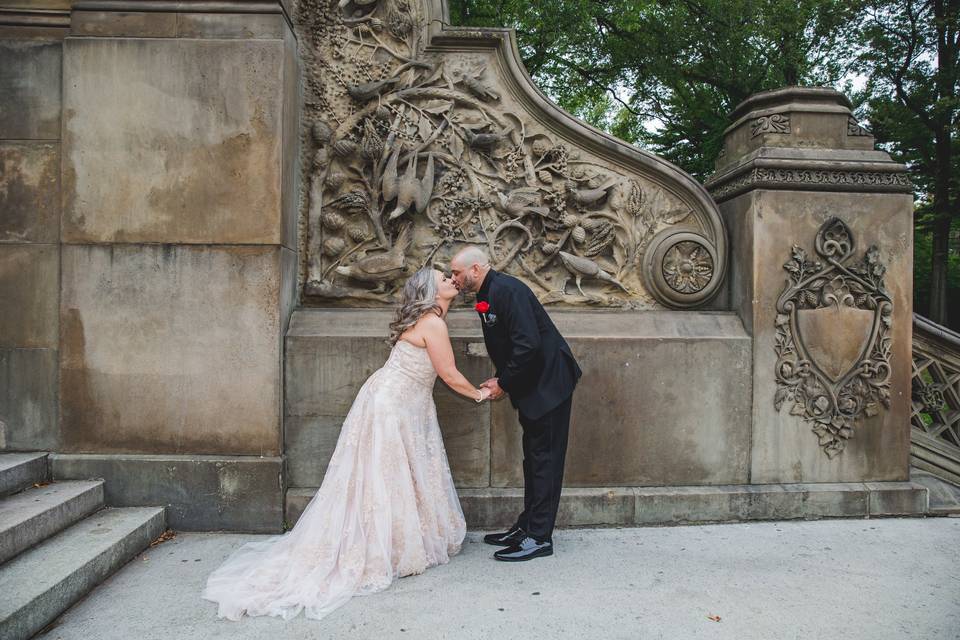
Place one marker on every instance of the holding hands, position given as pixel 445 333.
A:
pixel 493 387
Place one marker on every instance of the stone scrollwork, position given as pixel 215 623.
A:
pixel 414 152
pixel 833 340
pixel 775 123
pixel 855 129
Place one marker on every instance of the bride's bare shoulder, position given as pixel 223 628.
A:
pixel 431 322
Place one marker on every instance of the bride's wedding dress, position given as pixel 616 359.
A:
pixel 387 507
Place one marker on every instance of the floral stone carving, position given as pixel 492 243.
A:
pixel 414 151
pixel 833 337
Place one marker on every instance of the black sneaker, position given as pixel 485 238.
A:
pixel 505 539
pixel 526 549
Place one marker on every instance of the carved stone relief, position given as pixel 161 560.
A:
pixel 776 123
pixel 854 128
pixel 833 337
pixel 414 152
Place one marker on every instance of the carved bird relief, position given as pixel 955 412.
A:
pixel 370 90
pixel 485 141
pixel 408 189
pixel 478 87
pixel 582 267
pixel 381 268
pixel 518 202
pixel 587 197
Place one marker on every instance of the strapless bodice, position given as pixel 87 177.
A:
pixel 413 362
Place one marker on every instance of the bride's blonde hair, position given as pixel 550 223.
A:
pixel 419 297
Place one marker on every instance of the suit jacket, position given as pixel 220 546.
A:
pixel 534 363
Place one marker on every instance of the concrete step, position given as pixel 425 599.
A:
pixel 42 583
pixel 21 470
pixel 29 517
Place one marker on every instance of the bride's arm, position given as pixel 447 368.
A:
pixel 441 356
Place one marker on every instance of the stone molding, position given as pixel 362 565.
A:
pixel 810 176
pixel 34 18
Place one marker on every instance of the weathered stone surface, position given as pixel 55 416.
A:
pixel 180 142
pixel 324 373
pixel 231 25
pixel 784 448
pixel 201 493
pixel 28 295
pixel 29 192
pixel 130 24
pixel 652 408
pixel 308 443
pixel 171 349
pixel 30 86
pixel 897 498
pixel 28 399
pixel 629 427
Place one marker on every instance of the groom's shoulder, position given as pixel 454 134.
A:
pixel 508 282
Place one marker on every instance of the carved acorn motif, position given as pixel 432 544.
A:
pixel 335 180
pixel 345 148
pixel 333 220
pixel 372 143
pixel 334 246
pixel 579 233
pixel 321 132
pixel 358 232
pixel 570 221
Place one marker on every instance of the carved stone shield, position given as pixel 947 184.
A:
pixel 832 339
pixel 835 338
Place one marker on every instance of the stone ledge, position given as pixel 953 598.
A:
pixel 492 508
pixel 201 493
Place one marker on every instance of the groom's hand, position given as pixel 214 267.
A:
pixel 494 386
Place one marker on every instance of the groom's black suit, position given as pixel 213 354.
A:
pixel 535 366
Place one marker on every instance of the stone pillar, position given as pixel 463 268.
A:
pixel 30 57
pixel 180 140
pixel 821 275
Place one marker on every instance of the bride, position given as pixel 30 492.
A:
pixel 387 507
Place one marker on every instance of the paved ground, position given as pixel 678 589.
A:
pixel 837 579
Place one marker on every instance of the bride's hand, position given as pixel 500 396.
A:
pixel 485 394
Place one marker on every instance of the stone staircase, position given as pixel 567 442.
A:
pixel 57 542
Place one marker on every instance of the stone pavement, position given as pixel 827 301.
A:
pixel 833 579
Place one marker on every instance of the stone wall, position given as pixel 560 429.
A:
pixel 166 285
pixel 30 149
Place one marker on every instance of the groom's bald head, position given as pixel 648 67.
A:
pixel 469 267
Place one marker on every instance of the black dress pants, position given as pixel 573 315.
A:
pixel 544 452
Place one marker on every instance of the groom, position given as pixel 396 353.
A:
pixel 535 367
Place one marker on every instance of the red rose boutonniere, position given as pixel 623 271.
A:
pixel 483 308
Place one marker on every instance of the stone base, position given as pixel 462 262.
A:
pixel 201 493
pixel 495 508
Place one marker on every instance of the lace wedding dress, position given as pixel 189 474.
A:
pixel 387 507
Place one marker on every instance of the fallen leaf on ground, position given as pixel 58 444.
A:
pixel 166 535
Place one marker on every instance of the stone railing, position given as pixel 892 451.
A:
pixel 935 413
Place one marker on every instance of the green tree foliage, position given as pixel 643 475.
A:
pixel 910 57
pixel 665 74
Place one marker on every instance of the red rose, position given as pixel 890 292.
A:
pixel 482 307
